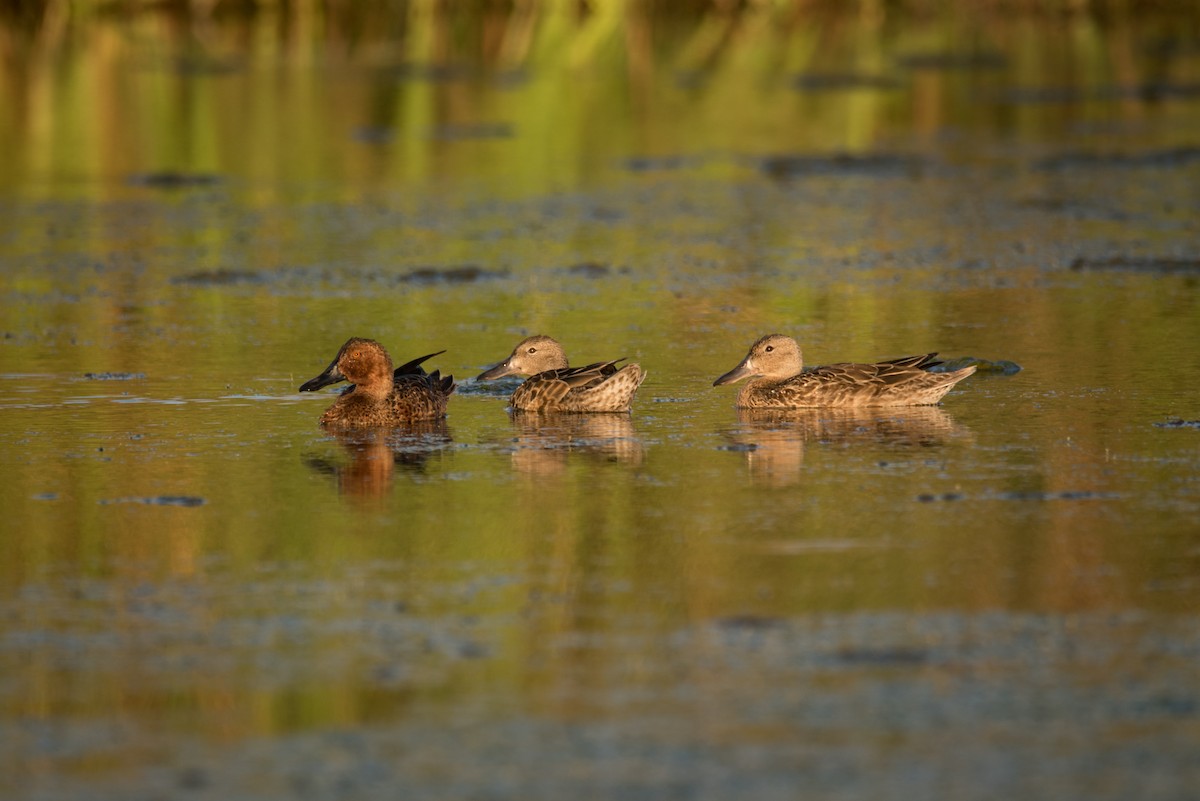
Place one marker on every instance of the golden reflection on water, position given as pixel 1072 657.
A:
pixel 545 442
pixel 774 441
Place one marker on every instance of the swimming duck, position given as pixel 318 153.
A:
pixel 381 396
pixel 555 387
pixel 778 379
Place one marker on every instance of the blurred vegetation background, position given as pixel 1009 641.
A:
pixel 536 95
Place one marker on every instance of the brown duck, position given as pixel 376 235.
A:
pixel 778 379
pixel 553 386
pixel 381 396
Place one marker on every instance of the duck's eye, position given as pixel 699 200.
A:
pixel 770 348
pixel 532 350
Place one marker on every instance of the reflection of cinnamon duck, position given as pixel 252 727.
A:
pixel 778 380
pixel 375 452
pixel 381 396
pixel 553 386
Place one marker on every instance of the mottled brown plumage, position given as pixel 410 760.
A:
pixel 381 396
pixel 778 379
pixel 553 386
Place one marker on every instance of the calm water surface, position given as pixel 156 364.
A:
pixel 203 594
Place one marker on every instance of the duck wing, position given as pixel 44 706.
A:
pixel 922 362
pixel 879 375
pixel 583 377
pixel 549 389
pixel 414 367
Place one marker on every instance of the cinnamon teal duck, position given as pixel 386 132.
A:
pixel 553 386
pixel 778 379
pixel 381 396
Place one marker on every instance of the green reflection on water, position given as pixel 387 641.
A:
pixel 288 103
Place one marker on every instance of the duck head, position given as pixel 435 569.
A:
pixel 775 356
pixel 533 355
pixel 362 362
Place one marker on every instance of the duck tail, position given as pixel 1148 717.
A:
pixel 443 384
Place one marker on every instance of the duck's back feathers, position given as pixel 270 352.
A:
pixel 598 387
pixel 896 382
pixel 554 386
pixel 421 396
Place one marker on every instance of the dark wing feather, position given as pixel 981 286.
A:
pixel 891 372
pixel 414 367
pixel 909 368
pixel 922 362
pixel 580 377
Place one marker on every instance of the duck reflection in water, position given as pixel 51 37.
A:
pixel 546 442
pixel 375 453
pixel 774 440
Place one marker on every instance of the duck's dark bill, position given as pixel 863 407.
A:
pixel 332 375
pixel 736 374
pixel 499 371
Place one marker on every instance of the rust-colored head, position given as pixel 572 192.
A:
pixel 362 362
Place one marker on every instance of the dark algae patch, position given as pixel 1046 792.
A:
pixel 659 163
pixel 999 366
pixel 1152 91
pixel 739 447
pixel 1173 157
pixel 168 179
pixel 461 274
pixel 953 61
pixel 482 130
pixel 158 500
pixel 220 277
pixel 751 622
pixel 114 376
pixel 799 165
pixel 930 497
pixel 842 82
pixel 1065 495
pixel 592 269
pixel 881 657
pixel 1136 264
pixel 1022 495
pixel 308 276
